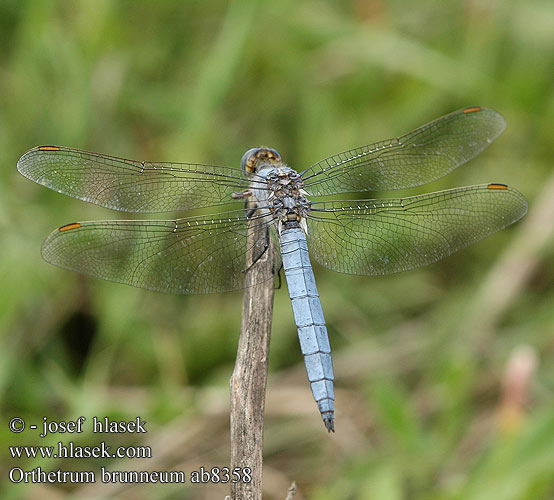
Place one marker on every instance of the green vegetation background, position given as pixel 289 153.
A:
pixel 445 375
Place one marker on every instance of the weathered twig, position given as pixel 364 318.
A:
pixel 248 382
pixel 291 491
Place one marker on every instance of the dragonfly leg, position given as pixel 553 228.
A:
pixel 246 193
pixel 262 253
pixel 249 211
pixel 279 281
pixel 249 206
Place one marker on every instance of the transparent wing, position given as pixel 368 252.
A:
pixel 191 255
pixel 129 185
pixel 421 156
pixel 373 237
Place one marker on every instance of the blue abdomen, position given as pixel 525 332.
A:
pixel 308 316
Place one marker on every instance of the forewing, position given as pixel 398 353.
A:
pixel 190 255
pixel 373 237
pixel 421 156
pixel 130 185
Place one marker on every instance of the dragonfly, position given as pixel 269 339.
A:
pixel 202 254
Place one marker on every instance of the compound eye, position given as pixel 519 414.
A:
pixel 273 154
pixel 248 158
pixel 260 154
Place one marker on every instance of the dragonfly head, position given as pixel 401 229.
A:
pixel 254 158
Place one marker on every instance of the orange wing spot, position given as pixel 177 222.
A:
pixel 472 109
pixel 497 186
pixel 67 227
pixel 49 148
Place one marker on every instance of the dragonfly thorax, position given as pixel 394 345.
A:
pixel 286 200
pixel 283 194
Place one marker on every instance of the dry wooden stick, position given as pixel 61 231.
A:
pixel 248 382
